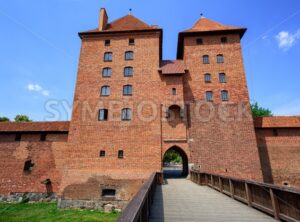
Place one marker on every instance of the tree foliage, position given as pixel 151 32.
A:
pixel 172 156
pixel 22 118
pixel 4 119
pixel 258 111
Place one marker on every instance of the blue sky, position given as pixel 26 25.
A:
pixel 39 46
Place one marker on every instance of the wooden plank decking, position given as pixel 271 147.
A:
pixel 182 200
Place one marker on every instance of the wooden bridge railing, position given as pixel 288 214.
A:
pixel 281 202
pixel 138 209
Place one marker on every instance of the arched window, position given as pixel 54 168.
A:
pixel 128 71
pixel 106 72
pixel 129 55
pixel 209 96
pixel 220 58
pixel 222 77
pixel 205 59
pixel 224 95
pixel 207 77
pixel 126 114
pixel 105 91
pixel 107 56
pixel 127 90
pixel 103 115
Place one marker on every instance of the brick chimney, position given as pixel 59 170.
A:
pixel 103 19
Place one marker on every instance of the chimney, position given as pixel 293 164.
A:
pixel 102 20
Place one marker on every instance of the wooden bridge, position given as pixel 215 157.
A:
pixel 217 198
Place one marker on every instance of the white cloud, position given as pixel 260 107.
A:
pixel 286 40
pixel 37 88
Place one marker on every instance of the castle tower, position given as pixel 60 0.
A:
pixel 221 133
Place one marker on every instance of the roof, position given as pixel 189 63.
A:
pixel 206 26
pixel 126 23
pixel 172 67
pixel 35 126
pixel 277 122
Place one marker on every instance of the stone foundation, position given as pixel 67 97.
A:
pixel 106 206
pixel 28 197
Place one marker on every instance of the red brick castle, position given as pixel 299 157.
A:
pixel 131 107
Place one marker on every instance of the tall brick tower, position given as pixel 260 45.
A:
pixel 221 132
pixel 112 144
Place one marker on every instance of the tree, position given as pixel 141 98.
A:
pixel 258 111
pixel 22 118
pixel 172 156
pixel 4 119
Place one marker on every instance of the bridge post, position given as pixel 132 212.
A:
pixel 248 194
pixel 231 188
pixel 275 205
pixel 221 184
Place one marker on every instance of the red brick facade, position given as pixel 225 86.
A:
pixel 168 111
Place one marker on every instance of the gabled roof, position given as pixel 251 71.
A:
pixel 172 67
pixel 205 25
pixel 126 23
pixel 62 126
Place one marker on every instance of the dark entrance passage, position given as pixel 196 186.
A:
pixel 175 163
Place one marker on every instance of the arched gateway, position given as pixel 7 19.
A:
pixel 170 171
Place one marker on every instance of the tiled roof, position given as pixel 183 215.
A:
pixel 204 25
pixel 126 23
pixel 172 67
pixel 34 126
pixel 277 122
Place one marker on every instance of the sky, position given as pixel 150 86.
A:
pixel 39 47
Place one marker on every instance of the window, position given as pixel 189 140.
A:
pixel 199 41
pixel 102 153
pixel 205 59
pixel 207 77
pixel 222 77
pixel 43 137
pixel 107 56
pixel 127 90
pixel 120 154
pixel 103 115
pixel 128 71
pixel 275 132
pixel 224 95
pixel 18 137
pixel 28 166
pixel 209 96
pixel 107 42
pixel 220 58
pixel 129 55
pixel 106 72
pixel 108 193
pixel 126 114
pixel 174 91
pixel 224 40
pixel 105 91
pixel 131 42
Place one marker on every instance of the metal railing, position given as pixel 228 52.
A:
pixel 138 209
pixel 281 202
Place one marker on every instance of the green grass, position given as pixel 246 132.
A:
pixel 46 212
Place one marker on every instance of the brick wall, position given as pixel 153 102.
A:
pixel 44 155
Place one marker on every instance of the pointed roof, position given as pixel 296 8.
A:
pixel 205 25
pixel 125 23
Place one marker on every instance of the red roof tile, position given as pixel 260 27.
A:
pixel 34 126
pixel 172 67
pixel 204 25
pixel 126 23
pixel 277 122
